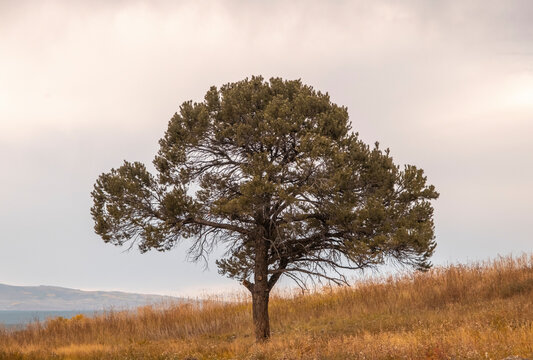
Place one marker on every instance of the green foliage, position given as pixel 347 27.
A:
pixel 271 163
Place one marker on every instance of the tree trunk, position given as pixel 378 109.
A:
pixel 260 315
pixel 261 292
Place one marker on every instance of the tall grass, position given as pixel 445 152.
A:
pixel 477 311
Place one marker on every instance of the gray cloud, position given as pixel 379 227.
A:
pixel 447 86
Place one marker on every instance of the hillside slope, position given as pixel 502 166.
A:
pixel 477 311
pixel 58 298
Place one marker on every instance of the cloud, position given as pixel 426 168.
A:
pixel 447 86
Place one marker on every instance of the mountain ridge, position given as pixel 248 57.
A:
pixel 56 298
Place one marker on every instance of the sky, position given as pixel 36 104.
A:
pixel 84 85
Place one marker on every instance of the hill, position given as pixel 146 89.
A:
pixel 474 311
pixel 57 298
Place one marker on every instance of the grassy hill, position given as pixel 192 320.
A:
pixel 476 311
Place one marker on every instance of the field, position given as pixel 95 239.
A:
pixel 475 311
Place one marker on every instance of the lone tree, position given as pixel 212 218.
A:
pixel 271 171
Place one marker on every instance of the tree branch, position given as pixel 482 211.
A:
pixel 248 285
pixel 214 224
pixel 337 281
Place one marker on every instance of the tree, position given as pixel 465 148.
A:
pixel 272 171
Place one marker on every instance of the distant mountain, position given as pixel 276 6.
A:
pixel 64 299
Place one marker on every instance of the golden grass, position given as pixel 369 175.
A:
pixel 477 311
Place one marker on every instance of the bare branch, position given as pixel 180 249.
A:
pixel 338 281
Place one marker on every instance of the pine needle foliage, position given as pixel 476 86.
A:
pixel 272 171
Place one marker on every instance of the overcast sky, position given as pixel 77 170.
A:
pixel 447 86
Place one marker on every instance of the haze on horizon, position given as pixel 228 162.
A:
pixel 447 86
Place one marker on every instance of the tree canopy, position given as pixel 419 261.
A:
pixel 272 171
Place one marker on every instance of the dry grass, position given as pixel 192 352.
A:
pixel 480 311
